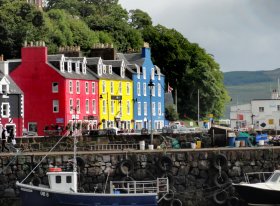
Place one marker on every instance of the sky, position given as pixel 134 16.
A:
pixel 242 35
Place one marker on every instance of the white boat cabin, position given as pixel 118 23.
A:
pixel 62 181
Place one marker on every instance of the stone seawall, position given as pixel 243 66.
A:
pixel 197 177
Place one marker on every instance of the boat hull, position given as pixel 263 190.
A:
pixel 46 198
pixel 257 196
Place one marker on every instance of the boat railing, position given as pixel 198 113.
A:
pixel 160 185
pixel 262 176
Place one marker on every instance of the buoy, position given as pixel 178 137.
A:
pixel 36 181
pixel 176 202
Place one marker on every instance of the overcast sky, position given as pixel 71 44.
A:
pixel 241 34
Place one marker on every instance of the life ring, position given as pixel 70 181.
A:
pixel 165 163
pixel 220 197
pixel 169 176
pixel 176 202
pixel 36 181
pixel 220 179
pixel 220 161
pixel 233 201
pixel 126 167
pixel 55 169
pixel 169 196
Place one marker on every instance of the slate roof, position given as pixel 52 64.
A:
pixel 134 58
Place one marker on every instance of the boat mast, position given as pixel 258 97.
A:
pixel 74 132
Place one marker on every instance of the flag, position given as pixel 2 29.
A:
pixel 169 89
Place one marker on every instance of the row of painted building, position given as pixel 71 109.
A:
pixel 42 92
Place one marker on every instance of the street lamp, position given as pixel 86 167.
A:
pixel 107 102
pixel 151 86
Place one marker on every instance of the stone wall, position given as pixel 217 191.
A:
pixel 194 174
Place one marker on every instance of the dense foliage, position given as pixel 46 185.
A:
pixel 188 67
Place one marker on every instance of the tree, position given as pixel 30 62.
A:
pixel 139 19
pixel 170 113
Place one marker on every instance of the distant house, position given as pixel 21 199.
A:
pixel 258 114
pixel 148 101
pixel 59 90
pixel 11 101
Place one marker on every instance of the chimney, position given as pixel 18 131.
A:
pixel 32 53
pixel 4 66
pixel 70 51
pixel 105 51
pixel 146 51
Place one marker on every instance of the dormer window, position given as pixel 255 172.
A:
pixel 5 88
pixel 153 74
pixel 104 69
pixel 122 72
pixel 69 66
pixel 99 69
pixel 158 73
pixel 138 72
pixel 84 67
pixel 144 73
pixel 77 66
pixel 62 66
pixel 110 69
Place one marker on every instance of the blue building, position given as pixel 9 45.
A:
pixel 148 88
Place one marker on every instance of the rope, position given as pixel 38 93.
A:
pixel 14 158
pixel 44 157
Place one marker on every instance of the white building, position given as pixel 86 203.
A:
pixel 260 114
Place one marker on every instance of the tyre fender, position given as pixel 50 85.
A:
pixel 220 161
pixel 176 202
pixel 126 167
pixel 36 181
pixel 220 197
pixel 165 163
pixel 169 196
pixel 124 183
pixel 81 162
pixel 220 179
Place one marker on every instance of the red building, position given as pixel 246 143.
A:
pixel 57 90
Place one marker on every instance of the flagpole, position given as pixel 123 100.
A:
pixel 198 107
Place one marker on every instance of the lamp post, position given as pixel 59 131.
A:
pixel 107 102
pixel 151 86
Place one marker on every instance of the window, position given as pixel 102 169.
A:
pixel 110 69
pixel 278 107
pixel 77 65
pixel 78 108
pixel 104 106
pixel 153 90
pixel 77 87
pixel 153 108
pixel 139 108
pixel 86 87
pixel 69 66
pixel 84 68
pixel 70 87
pixel 99 69
pixel 144 73
pixel 58 179
pixel 145 108
pixel 152 73
pixel 144 89
pixel 71 105
pixel 261 109
pixel 127 88
pixel 120 87
pixel 138 89
pixel 159 89
pixel 112 107
pixel 32 127
pixel 62 66
pixel 93 106
pixel 103 86
pixel 112 87
pixel 122 72
pixel 128 107
pixel 138 72
pixel 159 108
pixel 5 88
pixel 54 87
pixel 55 106
pixel 87 106
pixel 5 110
pixel 68 179
pixel 93 88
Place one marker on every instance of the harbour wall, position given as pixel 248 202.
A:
pixel 197 176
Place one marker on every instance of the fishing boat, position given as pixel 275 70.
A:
pixel 261 193
pixel 63 190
